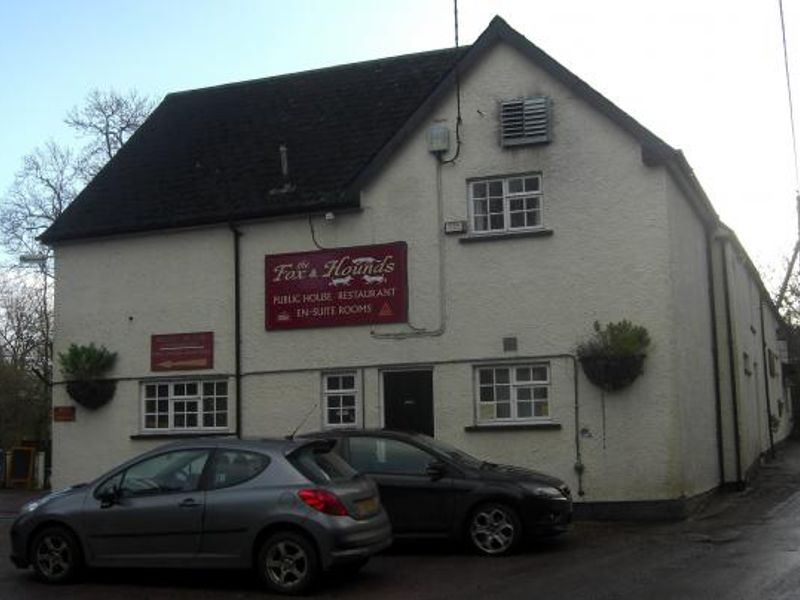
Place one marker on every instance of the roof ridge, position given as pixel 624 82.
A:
pixel 332 68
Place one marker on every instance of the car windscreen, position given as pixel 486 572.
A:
pixel 321 466
pixel 451 451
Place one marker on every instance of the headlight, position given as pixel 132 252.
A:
pixel 545 491
pixel 32 506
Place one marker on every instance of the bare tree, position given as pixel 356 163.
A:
pixel 108 119
pixel 52 175
pixel 24 407
pixel 24 324
pixel 45 185
pixel 24 360
pixel 42 189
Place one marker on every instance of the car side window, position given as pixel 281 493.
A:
pixel 231 467
pixel 177 471
pixel 379 455
pixel 109 485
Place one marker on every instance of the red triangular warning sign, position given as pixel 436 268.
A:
pixel 385 311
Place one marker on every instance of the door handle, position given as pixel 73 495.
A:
pixel 188 503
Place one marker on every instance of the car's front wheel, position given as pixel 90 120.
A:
pixel 56 555
pixel 494 529
pixel 288 563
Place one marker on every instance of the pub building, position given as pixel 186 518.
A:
pixel 418 242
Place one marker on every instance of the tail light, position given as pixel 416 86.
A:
pixel 323 501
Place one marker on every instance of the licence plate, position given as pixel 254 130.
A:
pixel 367 506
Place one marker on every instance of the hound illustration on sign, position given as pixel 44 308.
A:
pixel 182 351
pixel 359 285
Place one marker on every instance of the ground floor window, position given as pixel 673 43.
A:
pixel 509 393
pixel 340 399
pixel 188 405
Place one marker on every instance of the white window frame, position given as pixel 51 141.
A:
pixel 172 398
pixel 328 393
pixel 507 199
pixel 514 386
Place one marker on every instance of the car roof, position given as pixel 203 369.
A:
pixel 385 433
pixel 283 446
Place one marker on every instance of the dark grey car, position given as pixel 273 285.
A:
pixel 432 489
pixel 288 508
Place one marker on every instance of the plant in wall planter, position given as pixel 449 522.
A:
pixel 614 356
pixel 85 368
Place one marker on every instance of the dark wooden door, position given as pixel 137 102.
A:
pixel 408 401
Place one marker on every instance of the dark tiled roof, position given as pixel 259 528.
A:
pixel 212 155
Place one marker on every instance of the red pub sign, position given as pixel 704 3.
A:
pixel 361 285
pixel 182 351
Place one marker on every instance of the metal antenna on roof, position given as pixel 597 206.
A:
pixel 458 94
pixel 455 18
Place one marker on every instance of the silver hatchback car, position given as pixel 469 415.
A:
pixel 290 509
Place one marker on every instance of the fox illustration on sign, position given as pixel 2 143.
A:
pixel 336 282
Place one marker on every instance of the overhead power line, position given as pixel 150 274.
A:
pixel 796 252
pixel 791 104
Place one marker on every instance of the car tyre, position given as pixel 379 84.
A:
pixel 56 555
pixel 288 563
pixel 494 529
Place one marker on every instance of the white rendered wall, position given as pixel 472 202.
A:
pixel 117 293
pixel 692 345
pixel 752 373
pixel 607 260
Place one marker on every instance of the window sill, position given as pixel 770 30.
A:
pixel 511 427
pixel 505 235
pixel 180 436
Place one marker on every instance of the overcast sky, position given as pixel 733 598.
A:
pixel 705 75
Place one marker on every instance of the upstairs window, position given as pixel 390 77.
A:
pixel 506 204
pixel 525 121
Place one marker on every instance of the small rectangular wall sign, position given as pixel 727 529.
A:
pixel 63 414
pixel 182 351
pixel 360 285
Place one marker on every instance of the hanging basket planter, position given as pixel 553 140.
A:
pixel 614 356
pixel 612 373
pixel 85 368
pixel 92 393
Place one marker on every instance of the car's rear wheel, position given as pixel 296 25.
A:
pixel 56 555
pixel 288 563
pixel 494 529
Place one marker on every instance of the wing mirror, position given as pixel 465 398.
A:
pixel 109 497
pixel 436 470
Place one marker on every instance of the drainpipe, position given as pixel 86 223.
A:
pixel 732 363
pixel 237 326
pixel 579 468
pixel 766 380
pixel 715 353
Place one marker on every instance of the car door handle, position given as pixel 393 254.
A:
pixel 188 503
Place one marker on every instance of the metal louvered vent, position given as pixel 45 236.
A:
pixel 525 121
